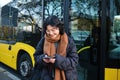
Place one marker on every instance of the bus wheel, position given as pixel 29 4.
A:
pixel 24 65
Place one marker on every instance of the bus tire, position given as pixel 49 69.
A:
pixel 24 65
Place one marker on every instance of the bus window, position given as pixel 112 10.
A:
pixel 83 17
pixel 112 70
pixel 84 24
pixel 7 34
pixel 53 7
pixel 20 24
pixel 115 39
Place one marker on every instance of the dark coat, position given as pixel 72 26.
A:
pixel 68 63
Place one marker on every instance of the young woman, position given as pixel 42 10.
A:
pixel 55 56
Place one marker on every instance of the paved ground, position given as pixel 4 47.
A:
pixel 5 75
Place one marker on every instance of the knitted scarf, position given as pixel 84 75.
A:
pixel 50 50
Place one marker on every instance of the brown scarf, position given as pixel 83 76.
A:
pixel 50 49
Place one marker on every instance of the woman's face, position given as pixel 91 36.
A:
pixel 52 32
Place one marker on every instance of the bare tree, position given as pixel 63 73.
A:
pixel 30 11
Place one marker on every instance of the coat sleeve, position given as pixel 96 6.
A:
pixel 71 60
pixel 38 55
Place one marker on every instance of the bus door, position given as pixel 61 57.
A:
pixel 85 29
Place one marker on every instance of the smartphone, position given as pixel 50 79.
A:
pixel 46 57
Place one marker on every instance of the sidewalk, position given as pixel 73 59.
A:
pixel 5 75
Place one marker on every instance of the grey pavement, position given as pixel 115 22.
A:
pixel 5 75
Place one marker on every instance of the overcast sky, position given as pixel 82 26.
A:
pixel 4 2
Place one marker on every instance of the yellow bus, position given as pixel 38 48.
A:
pixel 93 24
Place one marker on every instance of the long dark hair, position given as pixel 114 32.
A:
pixel 55 22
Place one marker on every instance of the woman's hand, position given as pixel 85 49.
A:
pixel 52 60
